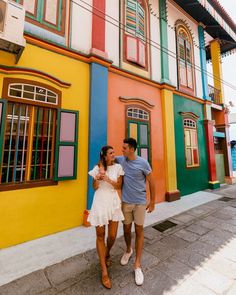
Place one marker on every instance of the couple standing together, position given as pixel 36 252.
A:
pixel 129 173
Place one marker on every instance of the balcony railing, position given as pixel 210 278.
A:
pixel 214 94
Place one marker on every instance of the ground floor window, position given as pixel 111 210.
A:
pixel 38 139
pixel 28 143
pixel 138 128
pixel 191 143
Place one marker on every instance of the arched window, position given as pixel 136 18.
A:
pixel 137 113
pixel 135 32
pixel 191 142
pixel 36 136
pixel 138 123
pixel 185 59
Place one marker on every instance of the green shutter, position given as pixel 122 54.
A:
pixel 3 107
pixel 66 145
pixel 131 16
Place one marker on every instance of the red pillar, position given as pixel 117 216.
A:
pixel 213 182
pixel 98 28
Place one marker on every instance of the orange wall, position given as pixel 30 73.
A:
pixel 125 87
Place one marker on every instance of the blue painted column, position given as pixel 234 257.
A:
pixel 98 119
pixel 203 63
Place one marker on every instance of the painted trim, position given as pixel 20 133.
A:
pixel 97 120
pixel 98 25
pixel 210 150
pixel 164 41
pixel 217 67
pixel 136 100
pixel 203 63
pixel 169 141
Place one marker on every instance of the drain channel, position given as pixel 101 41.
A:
pixel 163 226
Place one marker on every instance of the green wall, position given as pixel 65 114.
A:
pixel 189 180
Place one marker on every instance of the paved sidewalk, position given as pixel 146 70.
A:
pixel 197 256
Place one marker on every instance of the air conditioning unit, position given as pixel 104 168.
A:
pixel 12 18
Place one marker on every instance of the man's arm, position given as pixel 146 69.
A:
pixel 151 205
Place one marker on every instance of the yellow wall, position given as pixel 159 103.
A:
pixel 31 213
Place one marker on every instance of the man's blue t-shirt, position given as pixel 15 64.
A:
pixel 134 185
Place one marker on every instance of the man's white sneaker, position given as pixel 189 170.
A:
pixel 126 257
pixel 138 276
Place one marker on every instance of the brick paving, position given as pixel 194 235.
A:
pixel 197 257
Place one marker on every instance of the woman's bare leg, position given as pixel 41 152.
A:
pixel 101 248
pixel 112 233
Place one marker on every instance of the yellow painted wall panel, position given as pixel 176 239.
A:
pixel 30 213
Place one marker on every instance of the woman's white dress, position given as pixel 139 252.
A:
pixel 106 201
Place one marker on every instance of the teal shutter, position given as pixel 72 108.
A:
pixel 66 145
pixel 3 107
pixel 131 16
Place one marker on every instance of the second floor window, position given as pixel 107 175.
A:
pixel 135 29
pixel 185 60
pixel 49 14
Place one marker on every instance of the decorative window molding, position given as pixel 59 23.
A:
pixel 185 61
pixel 50 15
pixel 32 93
pixel 189 123
pixel 135 45
pixel 137 113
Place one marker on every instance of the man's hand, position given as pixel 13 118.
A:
pixel 150 207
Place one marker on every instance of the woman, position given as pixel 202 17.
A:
pixel 106 207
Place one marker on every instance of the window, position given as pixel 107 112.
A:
pixel 36 136
pixel 191 143
pixel 49 13
pixel 185 59
pixel 135 28
pixel 138 128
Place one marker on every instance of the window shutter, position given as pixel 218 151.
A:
pixel 131 50
pixel 142 54
pixel 3 106
pixel 66 145
pixel 131 18
pixel 189 65
pixel 182 64
pixel 141 22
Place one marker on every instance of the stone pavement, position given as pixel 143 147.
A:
pixel 197 256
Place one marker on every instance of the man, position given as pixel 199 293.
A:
pixel 134 201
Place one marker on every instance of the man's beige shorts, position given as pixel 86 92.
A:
pixel 134 213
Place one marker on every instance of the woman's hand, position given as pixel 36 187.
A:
pixel 116 184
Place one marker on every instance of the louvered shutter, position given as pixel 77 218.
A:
pixel 189 65
pixel 66 145
pixel 182 62
pixel 131 18
pixel 141 22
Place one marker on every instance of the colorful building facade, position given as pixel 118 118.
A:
pixel 91 73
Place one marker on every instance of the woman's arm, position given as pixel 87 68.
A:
pixel 95 184
pixel 116 184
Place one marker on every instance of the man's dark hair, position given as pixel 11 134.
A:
pixel 131 142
